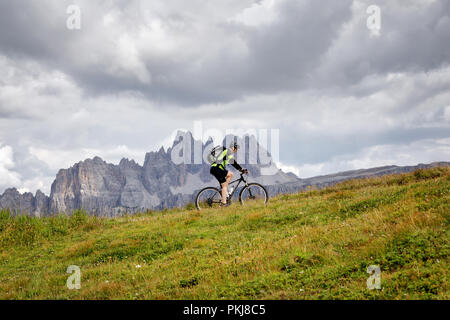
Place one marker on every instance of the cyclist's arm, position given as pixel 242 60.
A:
pixel 235 165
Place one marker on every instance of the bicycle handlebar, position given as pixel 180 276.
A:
pixel 244 171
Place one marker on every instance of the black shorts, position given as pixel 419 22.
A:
pixel 220 174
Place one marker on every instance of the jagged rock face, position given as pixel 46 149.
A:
pixel 92 185
pixel 24 204
pixel 12 199
pixel 41 204
pixel 134 194
pixel 160 172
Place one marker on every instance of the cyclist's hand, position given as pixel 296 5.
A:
pixel 244 171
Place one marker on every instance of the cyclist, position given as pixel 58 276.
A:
pixel 219 171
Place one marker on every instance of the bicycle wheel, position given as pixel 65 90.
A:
pixel 254 193
pixel 208 198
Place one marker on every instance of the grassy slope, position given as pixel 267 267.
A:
pixel 313 245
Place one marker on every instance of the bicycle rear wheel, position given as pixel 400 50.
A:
pixel 208 198
pixel 254 194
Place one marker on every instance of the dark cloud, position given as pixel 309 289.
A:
pixel 316 44
pixel 279 55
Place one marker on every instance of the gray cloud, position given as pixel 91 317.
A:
pixel 171 56
pixel 200 60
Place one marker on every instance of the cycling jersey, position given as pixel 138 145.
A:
pixel 225 160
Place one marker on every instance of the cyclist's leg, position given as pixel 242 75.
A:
pixel 222 177
pixel 228 178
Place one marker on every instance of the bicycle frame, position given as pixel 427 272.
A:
pixel 241 179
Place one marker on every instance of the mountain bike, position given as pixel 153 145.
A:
pixel 251 193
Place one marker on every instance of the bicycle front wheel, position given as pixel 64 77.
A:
pixel 254 194
pixel 208 198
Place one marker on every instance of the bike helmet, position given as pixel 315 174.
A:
pixel 234 145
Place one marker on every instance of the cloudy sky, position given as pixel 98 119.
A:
pixel 342 95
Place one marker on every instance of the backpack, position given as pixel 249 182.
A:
pixel 214 155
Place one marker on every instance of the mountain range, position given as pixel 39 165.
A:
pixel 105 189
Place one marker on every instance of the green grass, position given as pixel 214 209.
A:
pixel 312 245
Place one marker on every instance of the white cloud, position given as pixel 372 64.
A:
pixel 28 90
pixel 286 168
pixel 258 14
pixel 38 183
pixel 8 177
pixel 59 159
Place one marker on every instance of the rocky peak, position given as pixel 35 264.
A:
pixel 24 203
pixel 39 193
pixel 153 158
pixel 125 163
pixel 92 184
pixel 11 192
